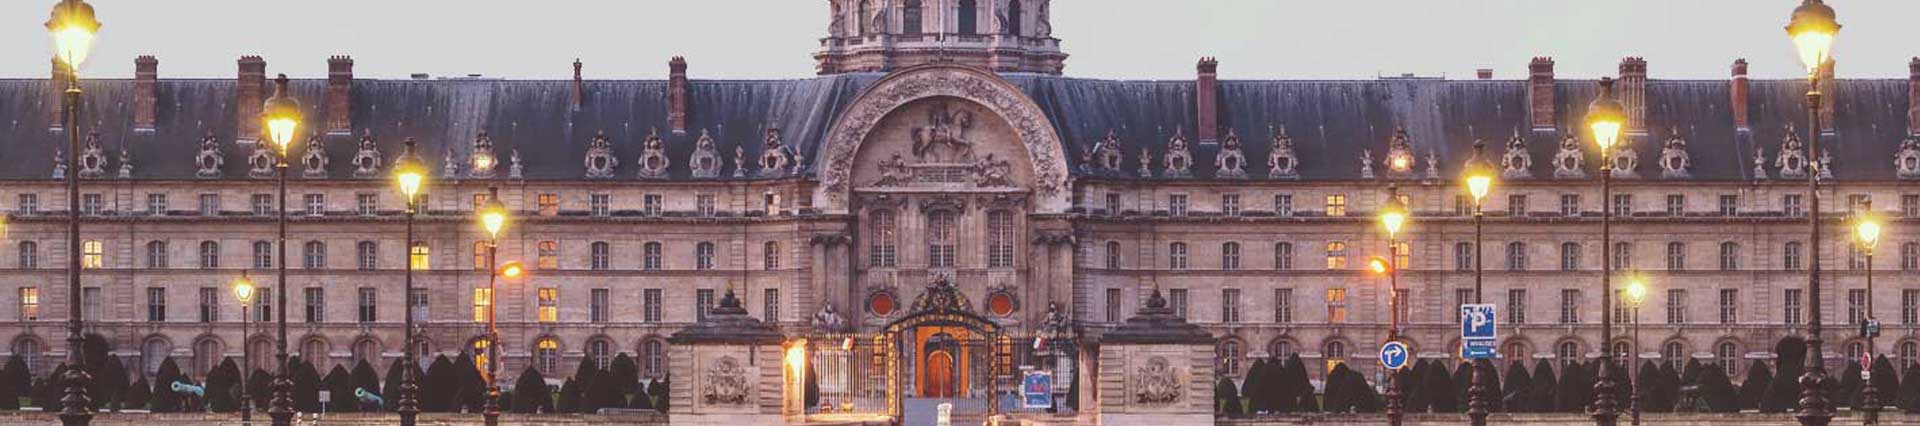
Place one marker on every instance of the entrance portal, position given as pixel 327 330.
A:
pixel 939 378
pixel 947 353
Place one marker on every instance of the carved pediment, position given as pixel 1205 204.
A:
pixel 705 160
pixel 209 161
pixel 1792 160
pixel 1675 162
pixel 940 296
pixel 1906 162
pixel 93 159
pixel 1626 160
pixel 653 156
pixel 1516 164
pixel 600 162
pixel 1179 157
pixel 367 161
pixel 482 160
pixel 775 158
pixel 1230 163
pixel 314 164
pixel 1282 162
pixel 260 164
pixel 1570 163
pixel 1107 154
pixel 1399 159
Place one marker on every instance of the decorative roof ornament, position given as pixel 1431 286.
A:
pixel 93 160
pixel 126 164
pixel 516 170
pixel 1792 160
pixel 315 161
pixel 774 156
pixel 1146 162
pixel 1230 163
pixel 600 161
pixel 209 160
pixel 1107 155
pixel 740 160
pixel 1282 162
pixel 1516 164
pixel 481 160
pixel 1759 163
pixel 450 166
pixel 1626 160
pixel 1179 158
pixel 1906 163
pixel 59 164
pixel 1366 164
pixel 1674 160
pixel 705 160
pixel 1433 165
pixel 940 296
pixel 653 156
pixel 367 161
pixel 1400 154
pixel 1569 163
pixel 1826 164
pixel 260 165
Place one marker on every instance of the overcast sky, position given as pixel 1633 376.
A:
pixel 1129 39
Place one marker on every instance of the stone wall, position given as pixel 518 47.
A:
pixel 1691 419
pixel 146 419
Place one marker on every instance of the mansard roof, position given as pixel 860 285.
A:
pixel 1330 122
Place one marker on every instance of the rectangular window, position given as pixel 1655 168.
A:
pixel 703 205
pixel 1230 204
pixel 1856 306
pixel 209 204
pixel 1113 305
pixel 1729 306
pixel 369 304
pixel 600 204
pixel 1517 205
pixel 209 304
pixel 1910 307
pixel 420 256
pixel 597 305
pixel 421 308
pixel 316 204
pixel 1336 205
pixel 1336 255
pixel 90 300
pixel 702 302
pixel 1623 205
pixel 1283 305
pixel 1336 305
pixel 156 304
pixel 1462 297
pixel 772 305
pixel 1791 205
pixel 482 304
pixel 1859 203
pixel 1676 306
pixel 28 204
pixel 316 304
pixel 1113 203
pixel 29 303
pixel 1177 204
pixel 1676 205
pixel 1909 205
pixel 1177 298
pixel 1570 205
pixel 650 305
pixel 366 203
pixel 650 204
pixel 1283 205
pixel 1569 306
pixel 549 254
pixel 93 255
pixel 1517 306
pixel 92 204
pixel 1729 205
pixel 1230 305
pixel 157 204
pixel 1792 312
pixel 262 204
pixel 1462 205
pixel 263 304
pixel 549 204
pixel 549 309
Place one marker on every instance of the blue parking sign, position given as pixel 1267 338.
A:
pixel 1477 321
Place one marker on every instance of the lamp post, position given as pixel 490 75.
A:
pixel 281 116
pixel 1478 177
pixel 1606 117
pixel 409 175
pixel 493 217
pixel 1392 218
pixel 1636 296
pixel 73 27
pixel 1867 234
pixel 1812 28
pixel 243 292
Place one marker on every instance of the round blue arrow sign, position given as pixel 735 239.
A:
pixel 1394 355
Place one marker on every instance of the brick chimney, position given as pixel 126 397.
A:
pixel 1913 96
pixel 677 94
pixel 1207 101
pixel 1828 87
pixel 56 96
pixel 1633 93
pixel 146 76
pixel 1483 73
pixel 1540 93
pixel 248 95
pixel 340 95
pixel 1739 90
pixel 579 91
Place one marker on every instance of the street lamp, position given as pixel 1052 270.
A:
pixel 409 176
pixel 73 26
pixel 1636 296
pixel 1393 217
pixel 1812 28
pixel 243 292
pixel 1866 232
pixel 1478 177
pixel 493 217
pixel 281 117
pixel 1605 118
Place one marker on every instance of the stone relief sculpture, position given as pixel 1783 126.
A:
pixel 894 172
pixel 1568 164
pixel 126 164
pixel 1107 153
pixel 775 158
pixel 1674 160
pixel 1043 20
pixel 879 21
pixel 944 138
pixel 1156 382
pixel 838 27
pixel 828 320
pixel 600 161
pixel 366 162
pixel 516 170
pixel 314 162
pixel 726 382
pixel 1282 162
pixel 1179 157
pixel 991 172
pixel 1759 163
pixel 653 156
pixel 209 160
pixel 260 164
pixel 1433 165
pixel 705 160
pixel 93 160
pixel 1366 164
pixel 1792 160
pixel 1626 160
pixel 1906 163
pixel 1516 164
pixel 1230 163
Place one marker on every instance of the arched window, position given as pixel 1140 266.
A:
pixel 860 18
pixel 1280 348
pixel 1516 351
pixel 1676 256
pixel 1516 256
pixel 1463 256
pixel 156 254
pixel 703 256
pixel 650 256
pixel 209 254
pixel 1013 17
pixel 1230 355
pixel 263 349
pixel 1790 256
pixel 29 255
pixel 1729 256
pixel 368 254
pixel 1000 237
pixel 1230 256
pixel 314 255
pixel 1622 255
pixel 547 356
pixel 1567 353
pixel 1622 351
pixel 1177 256
pixel 1336 354
pixel 1909 354
pixel 368 351
pixel 1113 255
pixel 1336 255
pixel 206 356
pixel 969 17
pixel 29 350
pixel 601 352
pixel 1854 349
pixel 941 239
pixel 1674 354
pixel 314 351
pixel 770 253
pixel 1569 256
pixel 1729 357
pixel 884 239
pixel 262 255
pixel 600 253
pixel 421 257
pixel 1283 256
pixel 910 20
pixel 653 359
pixel 153 353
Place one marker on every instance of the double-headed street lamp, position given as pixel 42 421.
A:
pixel 1393 217
pixel 409 176
pixel 1636 296
pixel 281 118
pixel 1866 233
pixel 1606 117
pixel 493 217
pixel 1478 177
pixel 1812 28
pixel 73 27
pixel 243 292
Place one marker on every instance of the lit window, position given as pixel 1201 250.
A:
pixel 549 205
pixel 1336 205
pixel 422 257
pixel 482 304
pixel 549 304
pixel 547 357
pixel 480 255
pixel 549 254
pixel 1336 305
pixel 1336 255
pixel 92 255
pixel 29 303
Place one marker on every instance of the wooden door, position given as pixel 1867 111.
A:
pixel 939 380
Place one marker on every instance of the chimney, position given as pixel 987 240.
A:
pixel 1913 96
pixel 146 76
pixel 579 92
pixel 1633 94
pixel 56 95
pixel 1207 101
pixel 1483 73
pixel 249 95
pixel 1540 93
pixel 340 95
pixel 1828 87
pixel 677 94
pixel 1739 91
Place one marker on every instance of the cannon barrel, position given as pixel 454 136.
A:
pixel 184 387
pixel 369 397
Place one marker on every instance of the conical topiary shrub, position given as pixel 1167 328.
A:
pixel 138 394
pixel 1251 388
pixel 164 399
pixel 1850 384
pixel 1908 398
pixel 363 378
pixel 1226 398
pixel 529 392
pixel 569 397
pixel 339 385
pixel 1717 391
pixel 259 389
pixel 1438 388
pixel 1518 383
pixel 1886 381
pixel 1545 387
pixel 1784 393
pixel 1759 376
pixel 1302 387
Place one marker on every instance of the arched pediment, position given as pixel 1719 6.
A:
pixel 1025 123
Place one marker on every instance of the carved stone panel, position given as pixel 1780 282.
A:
pixel 942 144
pixel 210 159
pixel 653 157
pixel 705 160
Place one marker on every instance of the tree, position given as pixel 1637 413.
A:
pixel 1339 399
pixel 1252 388
pixel 606 392
pixel 363 377
pixel 1226 397
pixel 1515 398
pixel 222 387
pixel 1413 387
pixel 1784 393
pixel 1462 382
pixel 1438 387
pixel 569 397
pixel 137 394
pixel 1670 379
pixel 1301 385
pixel 1718 391
pixel 16 376
pixel 1545 387
pixel 1277 382
pixel 1575 389
pixel 339 385
pixel 391 387
pixel 1886 381
pixel 439 386
pixel 1849 387
pixel 1365 400
pixel 114 373
pixel 472 388
pixel 530 392
pixel 306 386
pixel 259 388
pixel 640 399
pixel 662 391
pixel 1491 373
pixel 626 373
pixel 1909 396
pixel 164 399
pixel 1755 387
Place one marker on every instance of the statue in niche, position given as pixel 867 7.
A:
pixel 838 27
pixel 880 18
pixel 1282 162
pixel 1516 164
pixel 1906 163
pixel 1366 164
pixel 1179 158
pixel 946 131
pixel 774 156
pixel 600 161
pixel 726 382
pixel 1792 160
pixel 366 162
pixel 1674 160
pixel 1568 163
pixel 1230 163
pixel 1043 20
pixel 126 164
pixel 93 160
pixel 992 172
pixel 894 172
pixel 59 164
pixel 516 170
pixel 209 160
pixel 653 156
pixel 315 162
pixel 1107 154
pixel 706 158
pixel 1156 382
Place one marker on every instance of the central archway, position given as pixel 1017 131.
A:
pixel 940 345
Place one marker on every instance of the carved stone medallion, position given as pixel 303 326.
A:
pixel 1282 163
pixel 726 382
pixel 209 160
pixel 1570 162
pixel 600 161
pixel 260 164
pixel 1675 163
pixel 1516 164
pixel 93 159
pixel 1906 163
pixel 1107 154
pixel 705 160
pixel 366 161
pixel 775 158
pixel 1156 382
pixel 314 163
pixel 653 156
pixel 1179 157
pixel 1230 163
pixel 1792 161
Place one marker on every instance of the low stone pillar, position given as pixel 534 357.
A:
pixel 726 370
pixel 1156 370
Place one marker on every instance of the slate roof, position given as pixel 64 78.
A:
pixel 1329 121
